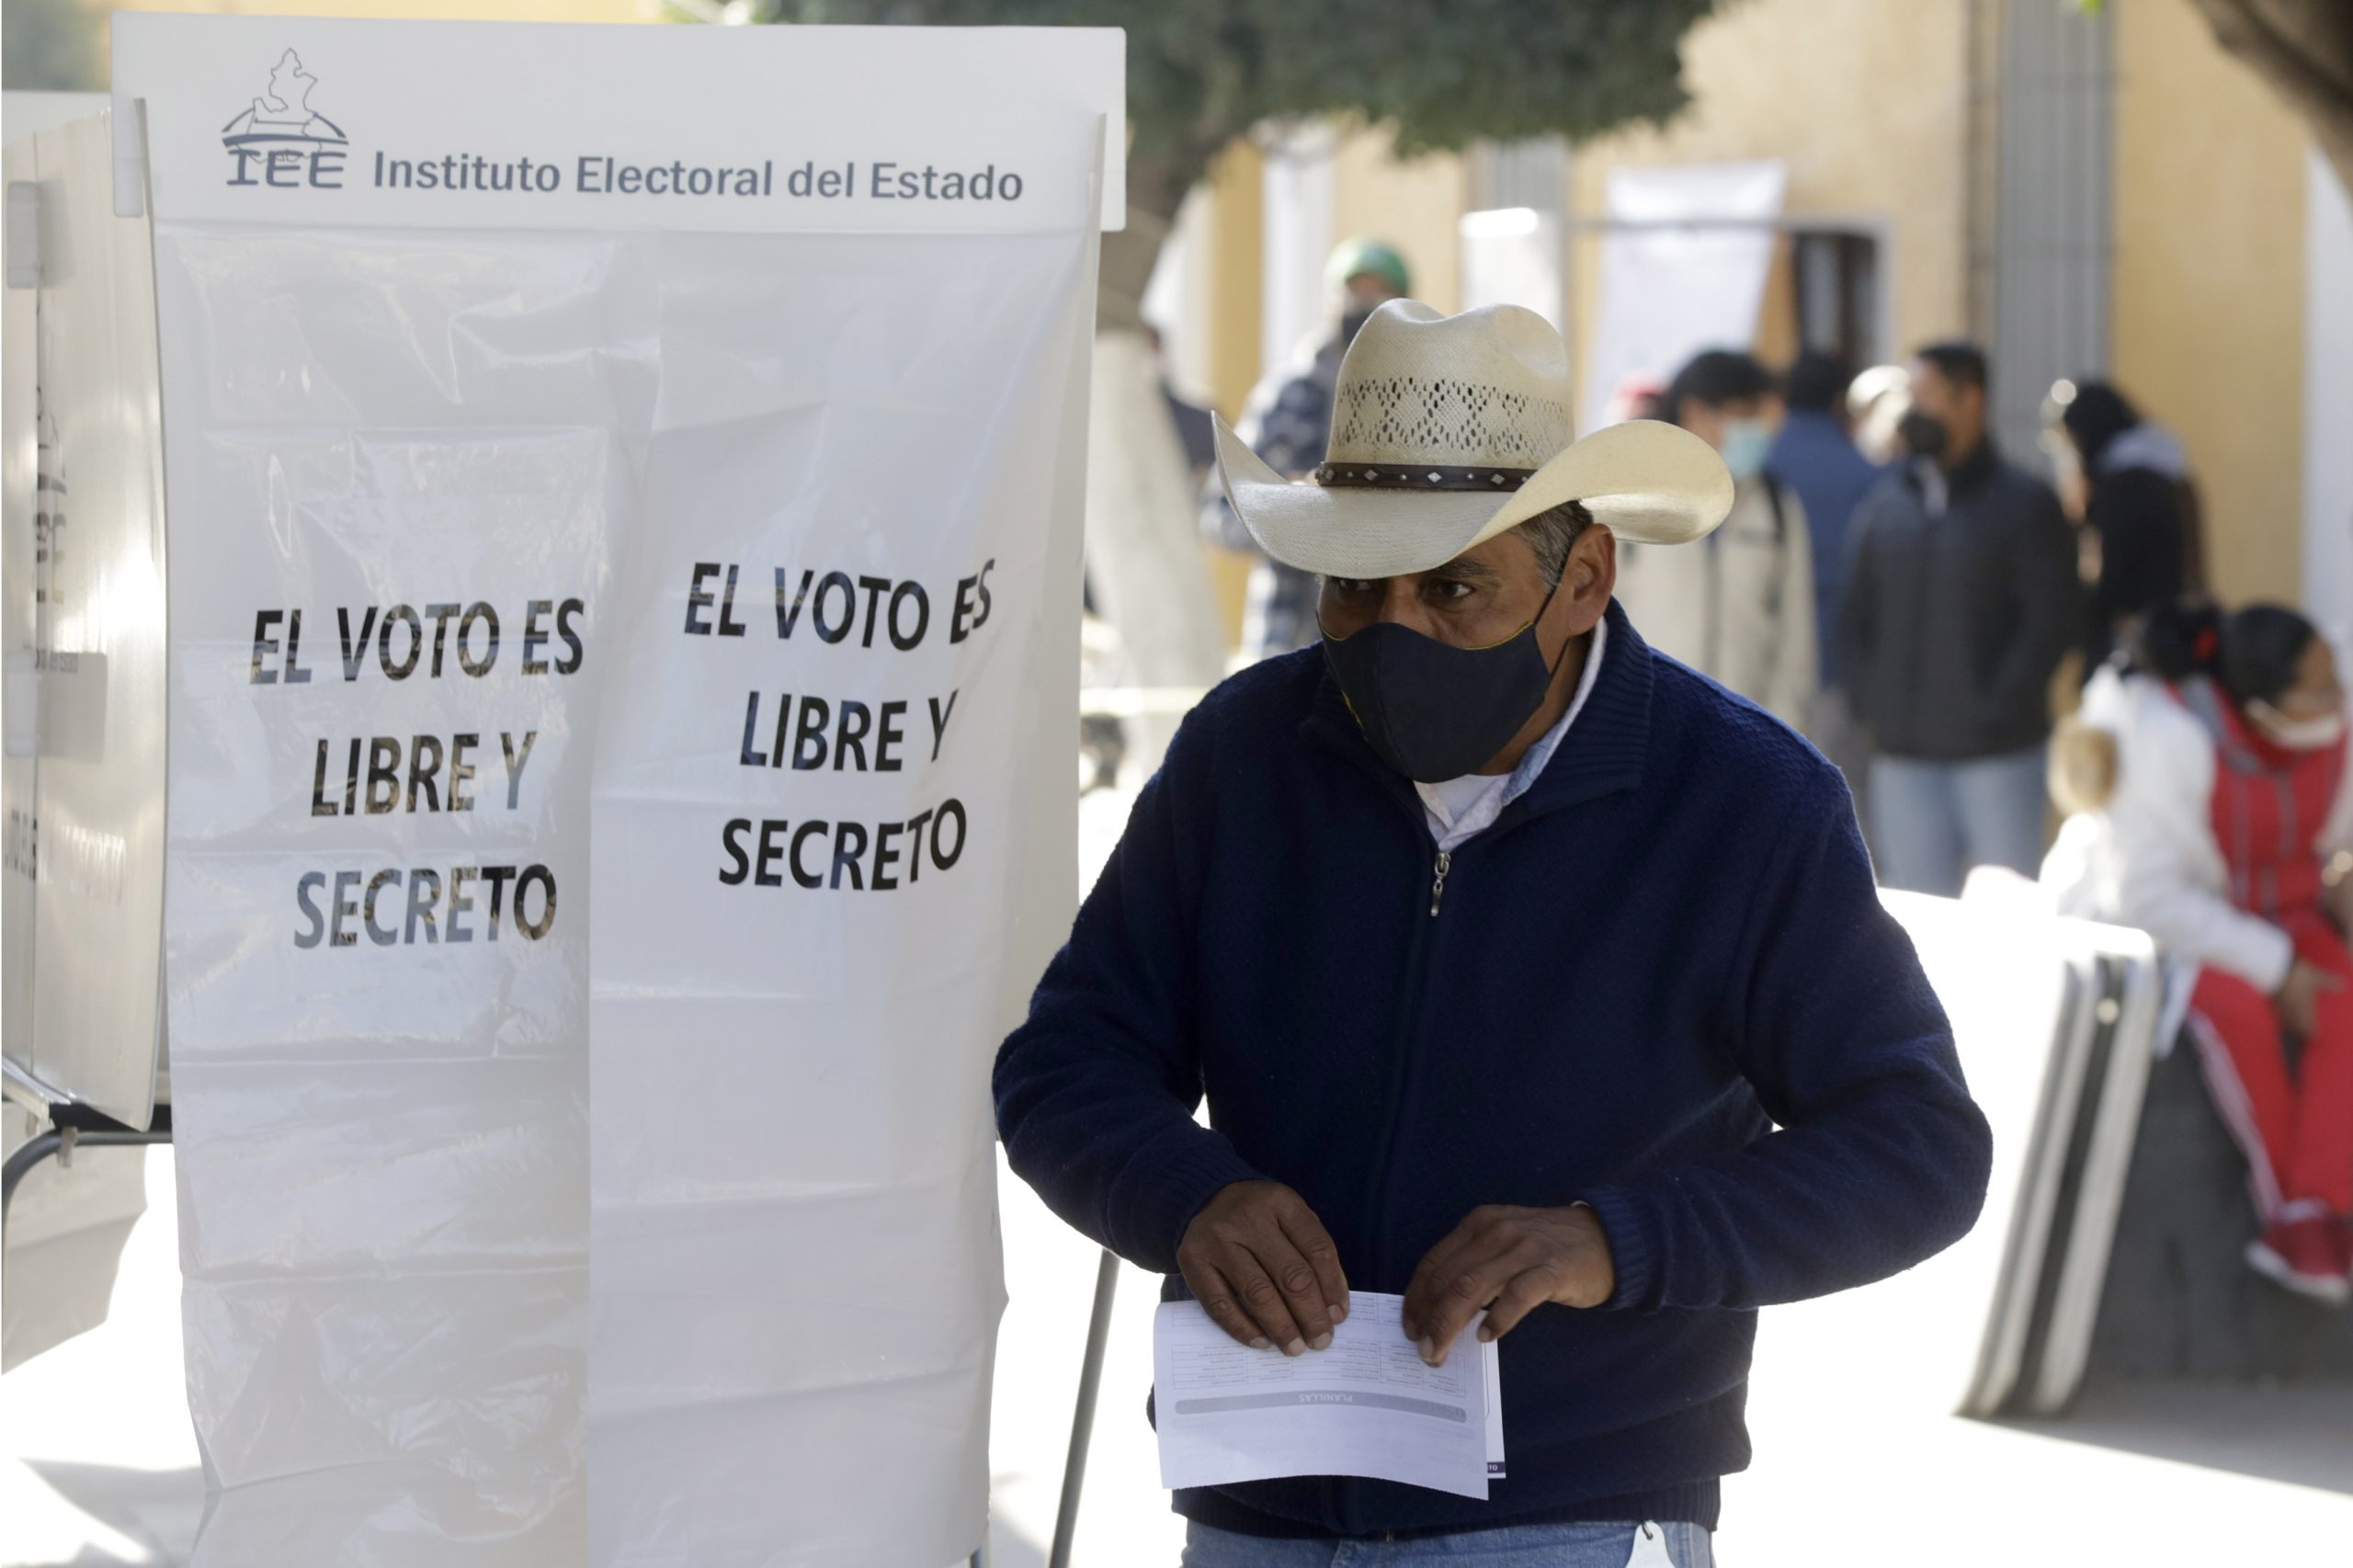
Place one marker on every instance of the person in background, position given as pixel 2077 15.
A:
pixel 1640 396
pixel 2226 806
pixel 1961 598
pixel 1876 401
pixel 1287 421
pixel 1816 457
pixel 2129 484
pixel 1739 608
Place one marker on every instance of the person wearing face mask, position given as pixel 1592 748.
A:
pixel 2230 811
pixel 1521 968
pixel 1287 421
pixel 2128 481
pixel 1740 608
pixel 1961 599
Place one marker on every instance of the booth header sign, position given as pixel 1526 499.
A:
pixel 796 129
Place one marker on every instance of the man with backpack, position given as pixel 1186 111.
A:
pixel 1739 607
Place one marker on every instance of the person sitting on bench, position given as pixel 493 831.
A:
pixel 2216 756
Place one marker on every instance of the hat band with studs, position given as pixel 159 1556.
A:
pixel 1421 476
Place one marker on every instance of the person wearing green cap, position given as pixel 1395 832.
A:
pixel 1361 266
pixel 1287 422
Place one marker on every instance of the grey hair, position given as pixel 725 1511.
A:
pixel 1551 533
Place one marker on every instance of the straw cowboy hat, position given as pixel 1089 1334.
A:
pixel 1449 430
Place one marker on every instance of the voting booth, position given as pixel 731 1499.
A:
pixel 608 594
pixel 82 644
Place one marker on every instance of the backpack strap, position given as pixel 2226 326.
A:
pixel 1780 514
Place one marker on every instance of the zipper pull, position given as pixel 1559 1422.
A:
pixel 1437 883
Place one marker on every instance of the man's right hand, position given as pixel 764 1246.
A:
pixel 1263 1268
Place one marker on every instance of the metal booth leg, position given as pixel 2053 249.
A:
pixel 36 1149
pixel 1082 1420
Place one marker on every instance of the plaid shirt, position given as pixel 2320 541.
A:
pixel 1287 422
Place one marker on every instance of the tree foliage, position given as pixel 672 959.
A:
pixel 1440 75
pixel 52 46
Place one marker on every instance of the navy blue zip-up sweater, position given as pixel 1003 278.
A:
pixel 1670 944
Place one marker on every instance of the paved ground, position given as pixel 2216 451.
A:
pixel 1858 1463
pixel 97 1465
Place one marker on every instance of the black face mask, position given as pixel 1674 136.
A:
pixel 1923 435
pixel 1432 711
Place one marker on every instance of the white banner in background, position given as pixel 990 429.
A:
pixel 1513 255
pixel 1683 267
pixel 622 670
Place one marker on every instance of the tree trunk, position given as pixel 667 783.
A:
pixel 2304 49
pixel 1143 552
pixel 1130 256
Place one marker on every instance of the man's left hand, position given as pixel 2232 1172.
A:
pixel 1510 1261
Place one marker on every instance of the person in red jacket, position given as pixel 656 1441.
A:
pixel 2232 813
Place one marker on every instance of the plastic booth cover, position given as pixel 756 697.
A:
pixel 82 625
pixel 624 494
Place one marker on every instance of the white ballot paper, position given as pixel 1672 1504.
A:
pixel 1368 1406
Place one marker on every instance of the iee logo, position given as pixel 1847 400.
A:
pixel 280 140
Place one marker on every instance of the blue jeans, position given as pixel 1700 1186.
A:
pixel 1933 821
pixel 1513 1546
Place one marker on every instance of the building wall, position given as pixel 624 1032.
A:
pixel 1417 206
pixel 2328 399
pixel 1873 108
pixel 1232 230
pixel 1866 102
pixel 2209 288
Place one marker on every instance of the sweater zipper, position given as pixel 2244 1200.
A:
pixel 1400 1058
pixel 1386 1135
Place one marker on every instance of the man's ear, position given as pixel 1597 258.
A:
pixel 1589 577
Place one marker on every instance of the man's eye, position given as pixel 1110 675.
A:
pixel 1450 590
pixel 1352 584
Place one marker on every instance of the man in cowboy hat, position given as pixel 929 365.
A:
pixel 1522 968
